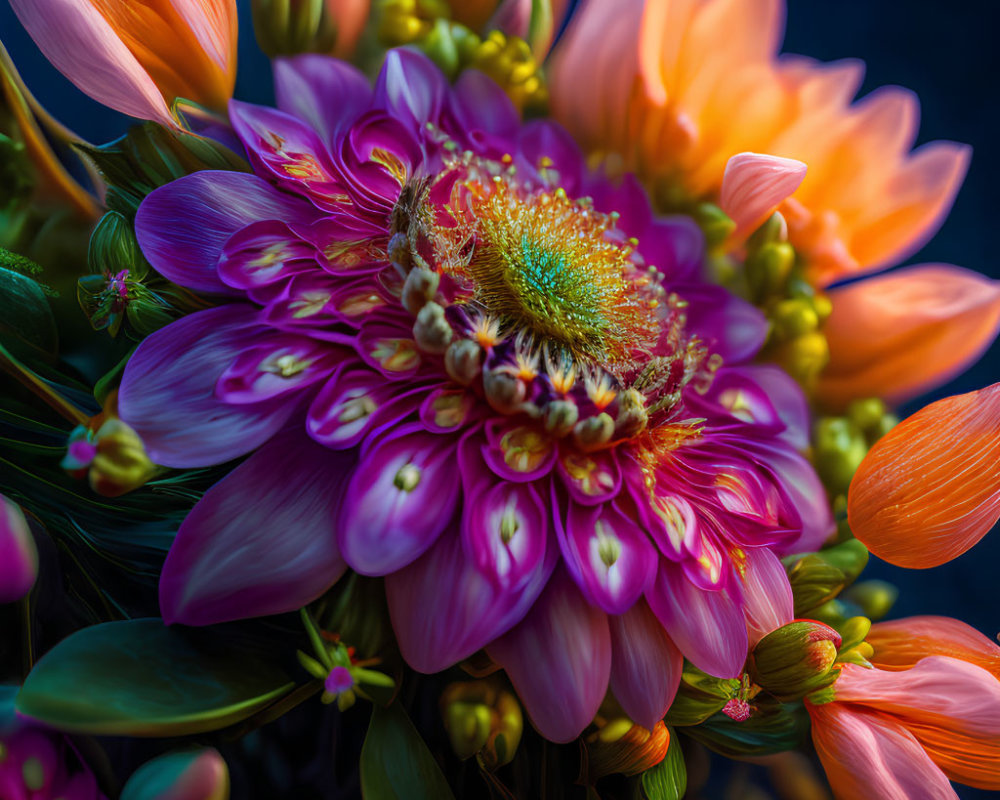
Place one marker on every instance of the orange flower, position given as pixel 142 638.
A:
pixel 139 57
pixel 930 488
pixel 676 90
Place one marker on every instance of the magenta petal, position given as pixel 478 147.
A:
pixel 767 594
pixel 608 554
pixel 645 665
pixel 443 609
pixel 168 391
pixel 411 88
pixel 325 92
pixel 282 364
pixel 559 660
pixel 18 556
pixel 183 226
pixel 708 627
pixel 505 529
pixel 403 494
pixel 262 540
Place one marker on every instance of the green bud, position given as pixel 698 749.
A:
pixel 699 696
pixel 769 267
pixel 875 597
pixel 795 660
pixel 440 46
pixel 794 317
pixel 805 356
pixel 854 631
pixel 838 450
pixel 715 223
pixel 288 27
pixel 819 577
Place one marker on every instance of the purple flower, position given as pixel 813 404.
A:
pixel 463 361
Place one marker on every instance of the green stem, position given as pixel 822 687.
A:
pixel 40 388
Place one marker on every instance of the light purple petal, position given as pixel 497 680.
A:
pixel 325 92
pixel 18 556
pixel 767 594
pixel 645 665
pixel 183 226
pixel 788 400
pixel 708 627
pixel 482 117
pixel 544 139
pixel 401 497
pixel 559 660
pixel 411 88
pixel 730 326
pixel 608 554
pixel 443 609
pixel 168 391
pixel 675 245
pixel 262 540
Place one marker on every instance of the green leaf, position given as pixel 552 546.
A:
pixel 395 762
pixel 141 678
pixel 668 779
pixel 27 327
pixel 773 728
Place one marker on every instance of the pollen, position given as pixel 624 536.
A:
pixel 553 269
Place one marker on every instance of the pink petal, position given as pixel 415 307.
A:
pixel 608 554
pixel 645 665
pixel 84 47
pixel 402 496
pixel 168 391
pixel 754 185
pixel 767 594
pixel 708 627
pixel 18 556
pixel 868 755
pixel 213 23
pixel 559 660
pixel 901 643
pixel 262 540
pixel 947 693
pixel 444 609
pixel 900 334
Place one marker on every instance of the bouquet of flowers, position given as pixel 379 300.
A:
pixel 506 412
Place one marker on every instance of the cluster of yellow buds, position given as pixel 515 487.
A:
pixel 840 443
pixel 795 308
pixel 483 719
pixel 453 46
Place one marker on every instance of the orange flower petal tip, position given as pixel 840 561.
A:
pixel 899 334
pixel 754 185
pixel 901 643
pixel 138 58
pixel 930 488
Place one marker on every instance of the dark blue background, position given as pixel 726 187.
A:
pixel 947 51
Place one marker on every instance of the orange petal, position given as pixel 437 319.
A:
pixel 930 488
pixel 902 333
pixel 972 760
pixel 901 643
pixel 754 185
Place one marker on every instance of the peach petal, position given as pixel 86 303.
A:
pixel 901 643
pixel 754 185
pixel 930 488
pixel 85 48
pixel 899 334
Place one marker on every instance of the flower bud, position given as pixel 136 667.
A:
pixel 794 317
pixel 805 356
pixel 632 415
pixel 560 417
pixel 431 331
pixel 622 747
pixel 463 361
pixel 795 660
pixel 482 719
pixel 289 27
pixel 715 223
pixel 874 597
pixel 699 696
pixel 18 556
pixel 769 267
pixel 419 288
pixel 504 392
pixel 593 432
pixel 120 462
pixel 819 577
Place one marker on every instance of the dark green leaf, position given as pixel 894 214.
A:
pixel 668 779
pixel 773 728
pixel 395 762
pixel 27 327
pixel 141 678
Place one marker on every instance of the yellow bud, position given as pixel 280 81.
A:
pixel 838 449
pixel 804 357
pixel 715 223
pixel 794 317
pixel 120 463
pixel 867 413
pixel 621 746
pixel 483 719
pixel 875 597
pixel 769 267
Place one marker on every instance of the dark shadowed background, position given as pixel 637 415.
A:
pixel 945 50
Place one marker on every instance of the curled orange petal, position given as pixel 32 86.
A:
pixel 930 488
pixel 901 643
pixel 899 334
